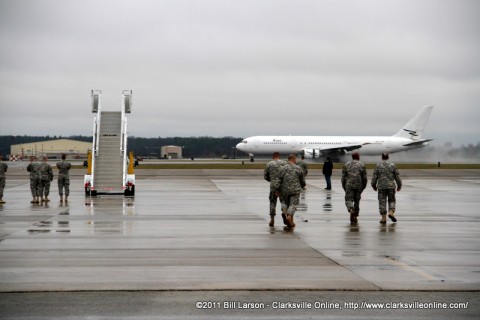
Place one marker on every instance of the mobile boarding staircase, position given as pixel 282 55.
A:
pixel 110 171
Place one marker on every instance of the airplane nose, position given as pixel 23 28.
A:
pixel 240 146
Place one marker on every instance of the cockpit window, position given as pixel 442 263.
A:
pixel 244 141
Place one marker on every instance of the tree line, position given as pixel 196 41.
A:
pixel 193 147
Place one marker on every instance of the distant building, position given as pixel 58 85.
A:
pixel 171 152
pixel 51 148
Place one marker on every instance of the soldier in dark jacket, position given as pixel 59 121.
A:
pixel 384 179
pixel 354 181
pixel 327 171
pixel 289 186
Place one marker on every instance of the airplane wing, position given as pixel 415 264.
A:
pixel 339 149
pixel 313 153
pixel 417 143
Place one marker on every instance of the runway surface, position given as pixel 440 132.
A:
pixel 203 235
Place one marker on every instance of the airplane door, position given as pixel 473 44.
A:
pixel 256 143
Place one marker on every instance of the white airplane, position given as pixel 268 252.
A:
pixel 314 147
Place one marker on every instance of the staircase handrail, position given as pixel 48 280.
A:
pixel 96 139
pixel 123 141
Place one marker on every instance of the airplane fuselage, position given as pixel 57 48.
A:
pixel 312 146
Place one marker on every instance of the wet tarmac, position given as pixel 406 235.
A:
pixel 207 231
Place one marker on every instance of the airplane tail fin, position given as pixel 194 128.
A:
pixel 414 128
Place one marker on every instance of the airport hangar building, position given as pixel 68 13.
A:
pixel 52 149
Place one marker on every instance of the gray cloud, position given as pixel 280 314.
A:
pixel 242 68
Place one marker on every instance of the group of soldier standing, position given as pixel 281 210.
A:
pixel 287 181
pixel 41 174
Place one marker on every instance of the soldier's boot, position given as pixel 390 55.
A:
pixel 290 223
pixel 272 221
pixel 61 198
pixel 66 199
pixel 1 200
pixel 46 199
pixel 391 215
pixel 384 219
pixel 353 216
pixel 284 215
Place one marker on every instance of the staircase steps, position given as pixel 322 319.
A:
pixel 108 177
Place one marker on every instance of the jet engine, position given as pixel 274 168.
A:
pixel 311 153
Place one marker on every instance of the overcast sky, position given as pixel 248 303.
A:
pixel 242 68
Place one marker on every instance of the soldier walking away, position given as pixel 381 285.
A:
pixel 327 171
pixel 63 178
pixel 46 176
pixel 302 164
pixel 354 181
pixel 272 174
pixel 34 169
pixel 3 169
pixel 289 186
pixel 385 176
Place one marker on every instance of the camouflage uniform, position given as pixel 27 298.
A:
pixel 34 169
pixel 303 165
pixel 354 181
pixel 272 174
pixel 384 178
pixel 63 177
pixel 290 184
pixel 3 169
pixel 46 175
